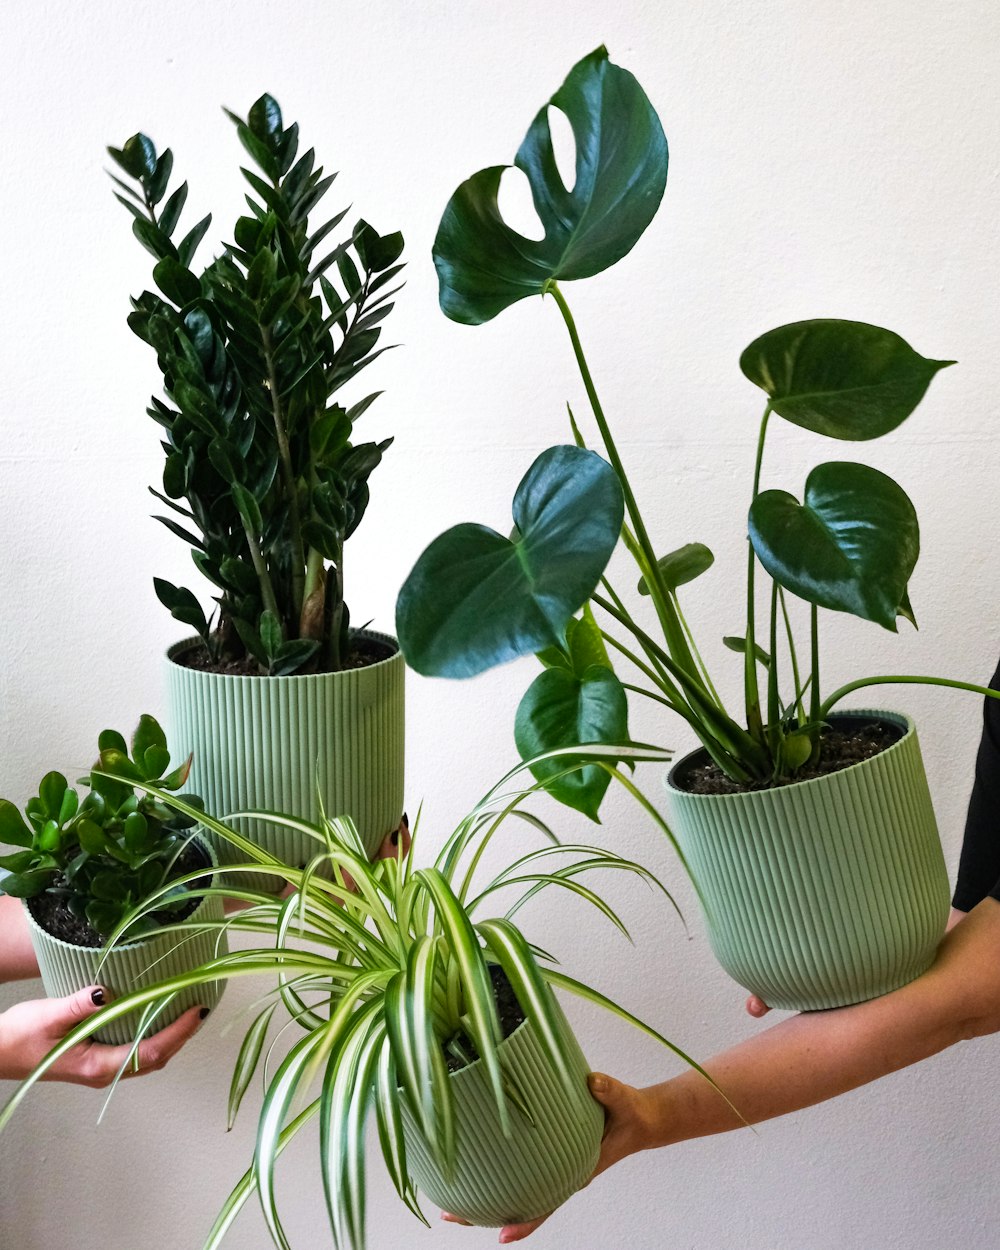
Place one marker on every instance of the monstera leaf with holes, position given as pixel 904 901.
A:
pixel 484 265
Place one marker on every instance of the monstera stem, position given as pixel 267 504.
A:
pixel 752 691
pixel 646 556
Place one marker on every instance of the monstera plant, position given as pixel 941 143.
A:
pixel 846 541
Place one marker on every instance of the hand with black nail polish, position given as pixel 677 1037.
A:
pixel 28 1031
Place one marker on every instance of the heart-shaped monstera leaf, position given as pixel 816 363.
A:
pixel 475 599
pixel 578 699
pixel 844 379
pixel 621 169
pixel 851 545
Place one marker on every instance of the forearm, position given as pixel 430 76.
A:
pixel 17 956
pixel 813 1057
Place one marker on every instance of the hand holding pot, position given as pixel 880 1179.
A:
pixel 28 1031
pixel 625 1133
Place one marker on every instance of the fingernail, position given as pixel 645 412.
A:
pixel 97 997
pixel 405 821
pixel 598 1084
pixel 203 1014
pixel 505 1238
pixel 394 837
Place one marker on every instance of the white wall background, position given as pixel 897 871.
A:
pixel 836 158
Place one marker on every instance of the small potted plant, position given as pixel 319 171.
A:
pixel 278 696
pixel 86 867
pixel 409 1003
pixel 821 887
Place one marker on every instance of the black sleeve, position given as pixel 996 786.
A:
pixel 979 867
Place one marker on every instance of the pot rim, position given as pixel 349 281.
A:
pixel 137 943
pixel 901 719
pixel 178 648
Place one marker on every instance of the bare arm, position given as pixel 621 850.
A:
pixel 17 958
pixel 810 1058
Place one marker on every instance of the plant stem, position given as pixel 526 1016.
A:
pixel 260 568
pixel 896 679
pixel 773 712
pixel 288 475
pixel 799 708
pixel 674 635
pixel 751 689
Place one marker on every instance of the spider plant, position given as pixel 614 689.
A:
pixel 382 972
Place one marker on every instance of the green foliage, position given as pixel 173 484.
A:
pixel 850 545
pixel 262 476
pixel 383 981
pixel 105 854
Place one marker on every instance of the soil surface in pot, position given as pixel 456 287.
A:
pixel 858 740
pixel 364 652
pixel 510 1013
pixel 52 914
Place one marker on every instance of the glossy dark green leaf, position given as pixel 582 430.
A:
pixel 484 265
pixel 189 244
pixel 681 566
pixel 291 655
pixel 475 598
pixel 181 604
pixel 156 186
pixel 153 239
pixel 25 884
pixel 850 546
pixel 271 633
pixel 177 283
pixel 248 508
pixel 844 379
pixel 138 156
pixel 264 118
pixel 92 837
pixel 171 211
pixel 561 709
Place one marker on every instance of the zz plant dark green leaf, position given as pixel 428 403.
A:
pixel 104 854
pixel 263 478
pixel 848 543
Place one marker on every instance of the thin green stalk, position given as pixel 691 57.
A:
pixel 754 723
pixel 288 475
pixel 799 707
pixel 260 568
pixel 675 703
pixel 702 666
pixel 815 703
pixel 658 698
pixel 896 679
pixel 663 680
pixel 773 711
pixel 674 635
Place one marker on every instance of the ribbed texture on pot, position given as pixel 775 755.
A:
pixel 66 969
pixel 269 742
pixel 825 892
pixel 500 1180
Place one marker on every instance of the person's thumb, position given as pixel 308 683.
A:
pixel 607 1091
pixel 62 1014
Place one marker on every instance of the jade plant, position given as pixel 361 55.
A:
pixel 263 476
pixel 847 542
pixel 103 855
pixel 382 972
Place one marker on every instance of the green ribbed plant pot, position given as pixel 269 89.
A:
pixel 500 1180
pixel 824 892
pixel 268 742
pixel 133 965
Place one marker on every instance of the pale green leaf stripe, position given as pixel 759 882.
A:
pixel 528 982
pixel 275 1107
pixel 483 1019
pixel 247 1184
pixel 539 880
pixel 390 1129
pixel 353 1165
pixel 246 1062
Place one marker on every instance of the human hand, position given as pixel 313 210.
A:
pixel 28 1031
pixel 625 1133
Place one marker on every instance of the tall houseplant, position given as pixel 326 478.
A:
pixel 85 868
pixel 263 477
pixel 401 1000
pixel 475 598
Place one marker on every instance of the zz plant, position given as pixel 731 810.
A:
pixel 847 542
pixel 382 972
pixel 263 477
pixel 103 855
